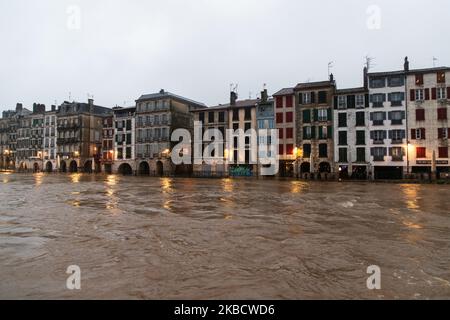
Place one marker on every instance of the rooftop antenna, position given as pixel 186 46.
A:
pixel 264 86
pixel 330 66
pixel 70 96
pixel 369 62
pixel 435 60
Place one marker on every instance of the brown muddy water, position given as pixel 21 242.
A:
pixel 149 238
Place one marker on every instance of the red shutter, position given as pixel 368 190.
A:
pixel 448 133
pixel 448 93
pixel 420 114
pixel 433 93
pixel 279 102
pixel 281 149
pixel 289 102
pixel 413 134
pixel 443 152
pixel 427 94
pixel 280 133
pixel 279 117
pixel 422 133
pixel 412 95
pixel 289 117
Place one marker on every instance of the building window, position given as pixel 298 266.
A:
pixel 323 150
pixel 443 152
pixel 306 98
pixel 210 117
pixel 342 102
pixel 342 120
pixel 420 95
pixel 261 124
pixel 201 117
pixel 289 117
pixel 279 102
pixel 360 119
pixel 360 137
pixel 378 136
pixel 128 152
pixel 235 126
pixel 322 97
pixel 396 98
pixel 289 149
pixel 289 103
pixel 397 81
pixel 378 153
pixel 247 126
pixel 421 152
pixel 307 133
pixel 396 153
pixel 378 118
pixel 442 113
pixel 235 115
pixel 289 133
pixel 360 154
pixel 360 103
pixel 279 117
pixel 420 114
pixel 397 117
pixel 306 150
pixel 342 155
pixel 377 82
pixel 221 116
pixel 419 134
pixel 443 133
pixel 248 114
pixel 323 114
pixel 342 140
pixel 441 77
pixel 119 153
pixel 323 132
pixel 441 94
pixel 378 100
pixel 397 136
pixel 419 79
pixel 306 116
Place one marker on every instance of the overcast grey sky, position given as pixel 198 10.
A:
pixel 124 48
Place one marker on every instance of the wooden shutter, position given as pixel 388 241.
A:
pixel 366 98
pixel 412 95
pixel 427 94
pixel 448 93
pixel 413 134
pixel 433 93
pixel 335 99
pixel 422 133
pixel 300 97
pixel 330 114
pixel 313 97
pixel 330 132
pixel 313 132
pixel 316 115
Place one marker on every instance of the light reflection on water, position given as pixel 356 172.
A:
pixel 193 239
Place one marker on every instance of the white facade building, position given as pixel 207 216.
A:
pixel 351 134
pixel 387 124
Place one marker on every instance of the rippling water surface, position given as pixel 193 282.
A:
pixel 148 238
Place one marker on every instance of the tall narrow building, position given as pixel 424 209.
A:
pixel 314 117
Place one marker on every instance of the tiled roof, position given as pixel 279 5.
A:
pixel 284 92
pixel 165 94
pixel 317 84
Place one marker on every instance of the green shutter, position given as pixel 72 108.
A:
pixel 304 133
pixel 320 132
pixel 330 132
pixel 330 114
pixel 307 116
pixel 313 132
pixel 316 115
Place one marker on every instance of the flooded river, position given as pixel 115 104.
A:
pixel 149 238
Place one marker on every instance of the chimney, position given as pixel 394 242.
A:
pixel 406 65
pixel 91 102
pixel 19 107
pixel 264 95
pixel 331 77
pixel 365 80
pixel 233 98
pixel 162 91
pixel 53 108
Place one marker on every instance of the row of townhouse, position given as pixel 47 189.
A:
pixel 395 125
